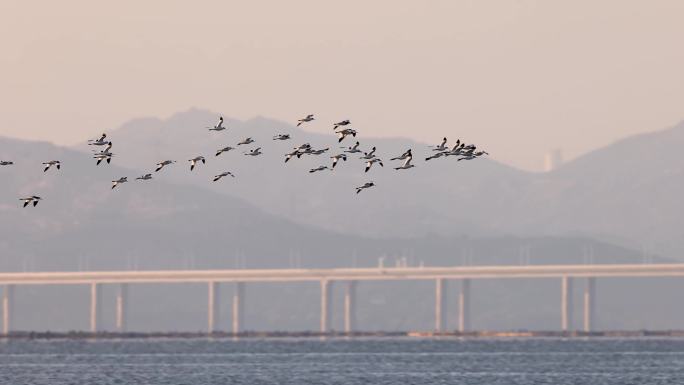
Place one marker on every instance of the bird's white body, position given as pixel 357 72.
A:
pixel 246 141
pixel 336 158
pixel 194 161
pixel 407 164
pixel 218 126
pixel 371 162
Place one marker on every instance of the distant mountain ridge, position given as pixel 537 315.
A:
pixel 627 192
pixel 168 223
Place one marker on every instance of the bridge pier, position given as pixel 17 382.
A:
pixel 213 307
pixel 350 307
pixel 7 309
pixel 440 304
pixel 122 308
pixel 590 305
pixel 95 306
pixel 464 306
pixel 326 305
pixel 566 304
pixel 238 307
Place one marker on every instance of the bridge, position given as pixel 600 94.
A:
pixel 349 277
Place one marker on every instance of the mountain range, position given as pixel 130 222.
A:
pixel 443 212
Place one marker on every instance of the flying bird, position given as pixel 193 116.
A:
pixel 100 156
pixel 308 118
pixel 119 181
pixel 316 152
pixel 342 123
pixel 281 137
pixel 365 186
pixel 403 156
pixel 437 155
pixel 407 164
pixel 344 133
pixel 219 126
pixel 224 149
pixel 221 175
pixel 32 199
pixel 369 155
pixel 319 168
pixel 246 141
pixel 161 165
pixel 101 141
pixel 254 152
pixel 289 155
pixel 442 146
pixel 51 163
pixel 196 160
pixel 104 154
pixel 353 149
pixel 144 177
pixel 371 162
pixel 337 157
pixel 6 162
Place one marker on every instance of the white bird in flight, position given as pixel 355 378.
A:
pixel 33 198
pixel 365 186
pixel 246 141
pixel 337 157
pixel 308 118
pixel 196 160
pixel 219 126
pixel 144 177
pixel 373 161
pixel 407 164
pixel 221 175
pixel 342 123
pixel 254 152
pixel 161 165
pixel 6 163
pixel 353 149
pixel 319 168
pixel 442 146
pixel 281 137
pixel 51 163
pixel 403 156
pixel 224 149
pixel 119 181
pixel 101 141
pixel 369 155
pixel 344 133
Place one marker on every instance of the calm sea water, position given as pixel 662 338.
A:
pixel 311 361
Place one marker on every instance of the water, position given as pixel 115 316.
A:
pixel 311 361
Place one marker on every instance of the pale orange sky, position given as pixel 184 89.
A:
pixel 519 78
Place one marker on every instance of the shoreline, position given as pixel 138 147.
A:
pixel 484 334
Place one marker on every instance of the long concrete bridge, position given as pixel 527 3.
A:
pixel 566 274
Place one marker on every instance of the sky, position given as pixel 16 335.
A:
pixel 518 78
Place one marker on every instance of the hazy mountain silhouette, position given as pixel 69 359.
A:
pixel 628 192
pixel 84 225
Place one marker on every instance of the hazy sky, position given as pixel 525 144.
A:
pixel 516 77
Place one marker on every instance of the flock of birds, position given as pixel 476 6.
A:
pixel 460 150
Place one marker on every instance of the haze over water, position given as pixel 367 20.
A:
pixel 311 361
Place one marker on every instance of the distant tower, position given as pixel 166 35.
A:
pixel 552 160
